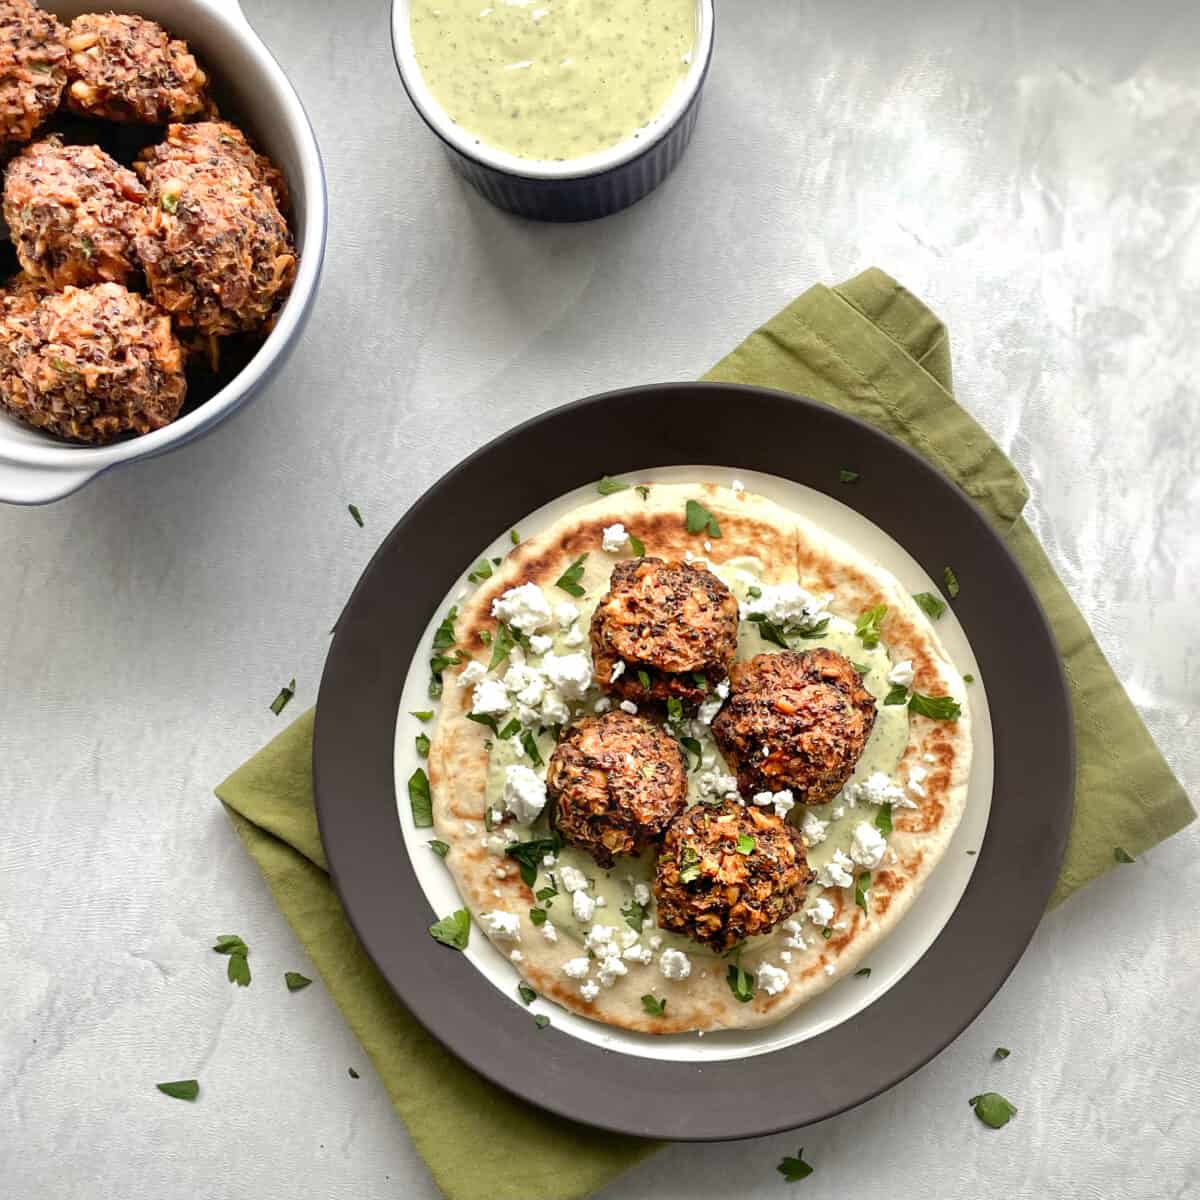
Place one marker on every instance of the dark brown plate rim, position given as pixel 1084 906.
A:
pixel 739 428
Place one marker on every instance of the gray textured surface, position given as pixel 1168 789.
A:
pixel 1029 168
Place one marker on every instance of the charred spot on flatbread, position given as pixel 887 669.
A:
pixel 673 625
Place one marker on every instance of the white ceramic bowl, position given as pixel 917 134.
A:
pixel 584 188
pixel 36 468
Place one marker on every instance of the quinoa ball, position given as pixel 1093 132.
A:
pixel 127 68
pixel 73 213
pixel 795 720
pixel 90 364
pixel 673 625
pixel 616 781
pixel 33 69
pixel 726 873
pixel 212 144
pixel 218 255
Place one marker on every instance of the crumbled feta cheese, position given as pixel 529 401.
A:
pixel 820 912
pixel 577 968
pixel 501 872
pixel 674 964
pixel 589 989
pixel 611 969
pixel 916 780
pixel 788 605
pixel 655 941
pixel 549 932
pixel 503 925
pixel 737 486
pixel 814 829
pixel 583 906
pixel 572 878
pixel 494 844
pixel 785 956
pixel 524 793
pixel 710 707
pixel 867 845
pixel 554 710
pixel 576 637
pixel 838 872
pixel 771 979
pixel 641 893
pixel 540 643
pixel 617 671
pixel 783 801
pixel 877 789
pixel 517 956
pixel 839 812
pixel 636 953
pixel 490 698
pixel 566 614
pixel 717 783
pixel 830 968
pixel 626 936
pixel 470 827
pixel 471 674
pixel 515 745
pixel 901 674
pixel 628 706
pixel 930 758
pixel 602 705
pixel 548 860
pixel 524 608
pixel 614 539
pixel 708 546
pixel 498 893
pixel 599 939
pixel 571 674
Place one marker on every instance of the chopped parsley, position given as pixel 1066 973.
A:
pixel 862 885
pixel 993 1109
pixel 514 537
pixel 883 819
pixel 530 854
pixel 527 994
pixel 932 606
pixel 538 915
pixel 440 848
pixel 230 943
pixel 352 509
pixel 795 1169
pixel 422 744
pixel 180 1089
pixel 295 981
pixel 425 714
pixel 693 747
pixel 968 679
pixel 284 698
pixel 238 970
pixel 827 932
pixel 643 491
pixel 87 246
pixel 644 679
pixel 700 520
pixel 420 799
pixel 480 571
pixel 653 1006
pixel 352 1073
pixel 637 545
pixel 1122 856
pixel 745 844
pixel 485 636
pixel 530 746
pixel 868 626
pixel 741 982
pixel 1002 1052
pixel 569 580
pixel 608 486
pixel 689 865
pixel 817 631
pixel 754 593
pixel 768 630
pixel 937 708
pixel 635 915
pixel 862 668
pixel 848 476
pixel 541 1020
pixel 169 202
pixel 453 931
pixel 951 581
pixel 502 646
pixel 863 973
pixel 485 719
pixel 897 695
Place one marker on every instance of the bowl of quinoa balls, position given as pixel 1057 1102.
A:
pixel 165 209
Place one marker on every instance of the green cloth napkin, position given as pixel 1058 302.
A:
pixel 870 348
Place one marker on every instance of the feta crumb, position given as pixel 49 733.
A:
pixel 710 707
pixel 524 608
pixel 614 539
pixel 819 912
pixel 737 486
pixel 589 990
pixel 572 878
pixel 540 643
pixel 916 780
pixel 839 812
pixel 549 932
pixel 571 674
pixel 611 969
pixel 471 674
pixel 930 758
pixel 501 872
pixel 628 706
pixel 548 860
pixel 516 956
pixel 838 872
pixel 641 893
pixel 867 846
pixel 577 968
pixel 602 705
pixel 717 783
pixel 789 606
pixel 566 614
pixel 627 937
pixel 708 546
pixel 503 925
pixel 583 906
pixel 498 893
pixel 901 674
pixel 601 902
pixel 785 956
pixel 829 968
pixel 470 827
pixel 636 953
pixel 674 964
pixel 782 800
pixel 554 709
pixel 655 941
pixel 617 671
pixel 576 637
pixel 771 979
pixel 877 789
pixel 490 698
pixel 524 793
pixel 814 829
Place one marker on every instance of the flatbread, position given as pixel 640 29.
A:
pixel 935 760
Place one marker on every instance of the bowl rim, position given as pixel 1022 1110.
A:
pixel 587 166
pixel 85 462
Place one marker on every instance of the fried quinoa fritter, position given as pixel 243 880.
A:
pixel 726 873
pixel 218 255
pixel 674 625
pixel 73 213
pixel 797 720
pixel 90 364
pixel 211 144
pixel 33 69
pixel 616 781
pixel 127 68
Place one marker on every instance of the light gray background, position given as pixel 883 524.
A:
pixel 1031 169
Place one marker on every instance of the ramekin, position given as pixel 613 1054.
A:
pixel 579 189
pixel 36 468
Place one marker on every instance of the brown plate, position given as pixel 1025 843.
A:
pixel 747 429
